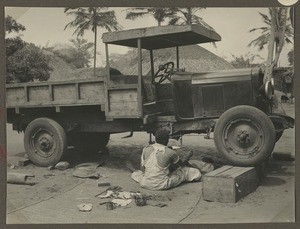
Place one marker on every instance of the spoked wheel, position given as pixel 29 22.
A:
pixel 90 142
pixel 244 135
pixel 45 141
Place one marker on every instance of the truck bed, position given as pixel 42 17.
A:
pixel 56 94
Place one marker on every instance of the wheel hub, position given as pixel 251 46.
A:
pixel 43 143
pixel 243 137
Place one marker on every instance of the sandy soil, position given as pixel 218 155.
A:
pixel 55 197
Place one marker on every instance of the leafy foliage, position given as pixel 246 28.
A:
pixel 245 61
pixel 24 62
pixel 28 64
pixel 159 14
pixel 83 52
pixel 13 45
pixel 11 25
pixel 90 18
pixel 188 16
pixel 263 39
pixel 77 55
pixel 176 16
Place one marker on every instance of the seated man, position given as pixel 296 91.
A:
pixel 155 162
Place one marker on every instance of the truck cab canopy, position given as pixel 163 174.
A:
pixel 160 37
pixel 136 98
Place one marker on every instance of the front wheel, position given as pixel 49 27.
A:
pixel 244 136
pixel 45 141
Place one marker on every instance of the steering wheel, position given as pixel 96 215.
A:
pixel 163 73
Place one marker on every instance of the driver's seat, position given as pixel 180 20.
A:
pixel 149 89
pixel 157 99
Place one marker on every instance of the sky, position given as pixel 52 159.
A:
pixel 45 26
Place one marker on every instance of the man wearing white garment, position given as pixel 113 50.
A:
pixel 156 161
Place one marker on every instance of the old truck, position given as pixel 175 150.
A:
pixel 83 113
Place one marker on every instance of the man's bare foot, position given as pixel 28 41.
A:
pixel 130 167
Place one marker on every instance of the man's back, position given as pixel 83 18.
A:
pixel 164 157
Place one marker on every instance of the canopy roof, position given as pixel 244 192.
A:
pixel 160 37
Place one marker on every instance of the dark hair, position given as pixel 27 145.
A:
pixel 162 136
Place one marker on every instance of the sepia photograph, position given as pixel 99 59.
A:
pixel 150 115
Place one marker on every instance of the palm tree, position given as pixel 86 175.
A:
pixel 90 18
pixel 283 32
pixel 159 14
pixel 187 16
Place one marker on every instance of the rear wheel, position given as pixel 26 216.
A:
pixel 90 142
pixel 45 141
pixel 244 136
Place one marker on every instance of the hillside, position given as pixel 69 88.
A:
pixel 61 70
pixel 193 58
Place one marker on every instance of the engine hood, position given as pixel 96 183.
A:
pixel 215 76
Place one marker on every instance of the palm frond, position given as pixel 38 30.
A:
pixel 134 15
pixel 159 14
pixel 89 18
pixel 183 16
pixel 66 9
pixel 81 28
pixel 287 40
pixel 174 21
pixel 266 18
pixel 260 28
pixel 260 41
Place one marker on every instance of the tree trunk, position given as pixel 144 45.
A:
pixel 159 23
pixel 95 51
pixel 189 19
pixel 281 33
pixel 269 64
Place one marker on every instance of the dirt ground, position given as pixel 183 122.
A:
pixel 55 197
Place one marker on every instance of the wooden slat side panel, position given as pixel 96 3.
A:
pixel 15 96
pixel 123 103
pixel 92 91
pixel 124 109
pixel 64 93
pixel 38 94
pixel 40 105
pixel 69 93
pixel 120 96
pixel 46 83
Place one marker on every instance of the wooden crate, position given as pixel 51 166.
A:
pixel 229 184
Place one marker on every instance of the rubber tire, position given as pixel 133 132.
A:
pixel 90 142
pixel 278 135
pixel 59 137
pixel 260 119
